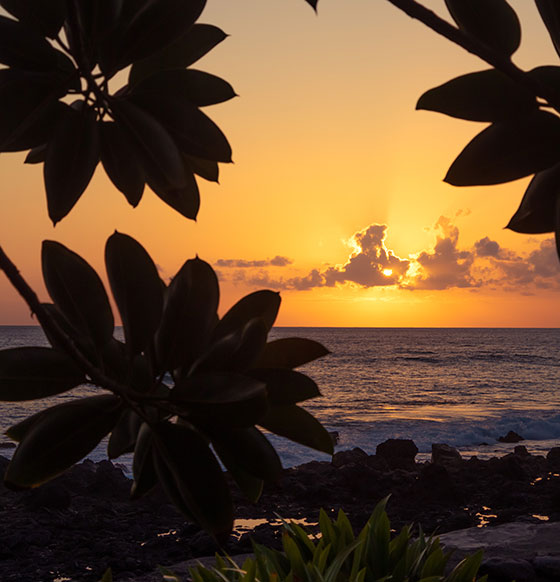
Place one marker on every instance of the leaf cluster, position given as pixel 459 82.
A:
pixel 337 555
pixel 55 97
pixel 523 137
pixel 185 391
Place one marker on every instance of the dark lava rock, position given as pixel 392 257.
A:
pixel 500 570
pixel 399 453
pixel 49 496
pixel 554 455
pixel 356 455
pixel 511 437
pixel 521 451
pixel 445 455
pixel 547 567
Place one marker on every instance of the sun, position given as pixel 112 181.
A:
pixel 387 272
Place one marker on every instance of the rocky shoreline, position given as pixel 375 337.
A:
pixel 81 523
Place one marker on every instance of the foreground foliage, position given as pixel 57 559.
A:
pixel 185 388
pixel 337 555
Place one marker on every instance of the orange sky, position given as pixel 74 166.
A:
pixel 336 179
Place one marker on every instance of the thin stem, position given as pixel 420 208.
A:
pixel 499 61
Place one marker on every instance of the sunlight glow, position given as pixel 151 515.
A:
pixel 387 272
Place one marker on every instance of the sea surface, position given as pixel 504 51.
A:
pixel 463 387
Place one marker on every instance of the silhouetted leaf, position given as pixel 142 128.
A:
pixel 249 485
pixel 493 22
pixel 119 160
pixel 153 26
pixel 36 155
pixel 249 450
pixel 143 469
pixel 33 372
pixel 192 477
pixel 124 434
pixel 206 169
pixel 550 13
pixel 222 400
pixel 189 315
pixel 298 425
pixel 537 211
pixel 546 75
pixel 191 85
pixel 78 292
pixel 29 108
pixel 137 289
pixel 508 150
pixel 24 48
pixel 199 40
pixel 482 96
pixel 290 352
pixel 263 304
pixel 61 437
pixel 313 3
pixel 185 200
pixel 46 17
pixel 156 150
pixel 286 386
pixel 71 159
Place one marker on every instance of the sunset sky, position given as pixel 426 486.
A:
pixel 336 196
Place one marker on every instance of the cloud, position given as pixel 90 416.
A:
pixel 446 265
pixel 276 261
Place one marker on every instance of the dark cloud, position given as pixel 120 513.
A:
pixel 276 261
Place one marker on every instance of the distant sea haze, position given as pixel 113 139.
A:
pixel 463 387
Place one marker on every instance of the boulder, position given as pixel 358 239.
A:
pixel 521 451
pixel 499 570
pixel 445 455
pixel 553 456
pixel 511 437
pixel 399 453
pixel 356 455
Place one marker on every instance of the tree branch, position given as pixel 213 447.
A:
pixel 499 61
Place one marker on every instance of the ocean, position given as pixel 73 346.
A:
pixel 463 387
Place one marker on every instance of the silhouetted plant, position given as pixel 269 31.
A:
pixel 150 131
pixel 184 388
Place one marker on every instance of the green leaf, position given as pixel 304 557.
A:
pixel 45 17
pixel 156 151
pixel 248 450
pixel 207 169
pixel 492 22
pixel 508 150
pixel 60 437
pixel 71 159
pixel 36 155
pixel 290 352
pixel 482 96
pixel 137 290
pixel 143 468
pixel 199 40
pixel 22 47
pixel 29 106
pixel 119 160
pixel 262 304
pixel 193 131
pixel 192 477
pixel 550 14
pixel 124 434
pixel 286 386
pixel 189 315
pixel 78 292
pixel 197 87
pixel 148 27
pixel 298 425
pixel 32 372
pixel 536 213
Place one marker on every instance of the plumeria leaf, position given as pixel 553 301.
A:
pixel 36 155
pixel 482 96
pixel 60 437
pixel 298 425
pixel 207 169
pixel 286 386
pixel 71 158
pixel 189 316
pixel 550 14
pixel 78 292
pixel 46 17
pixel 27 373
pixel 119 160
pixel 124 434
pixel 192 478
pixel 143 468
pixel 199 40
pixel 249 485
pixel 508 150
pixel 493 22
pixel 537 211
pixel 137 289
pixel 290 352
pixel 185 200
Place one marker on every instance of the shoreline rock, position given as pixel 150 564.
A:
pixel 82 522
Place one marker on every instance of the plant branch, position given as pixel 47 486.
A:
pixel 499 61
